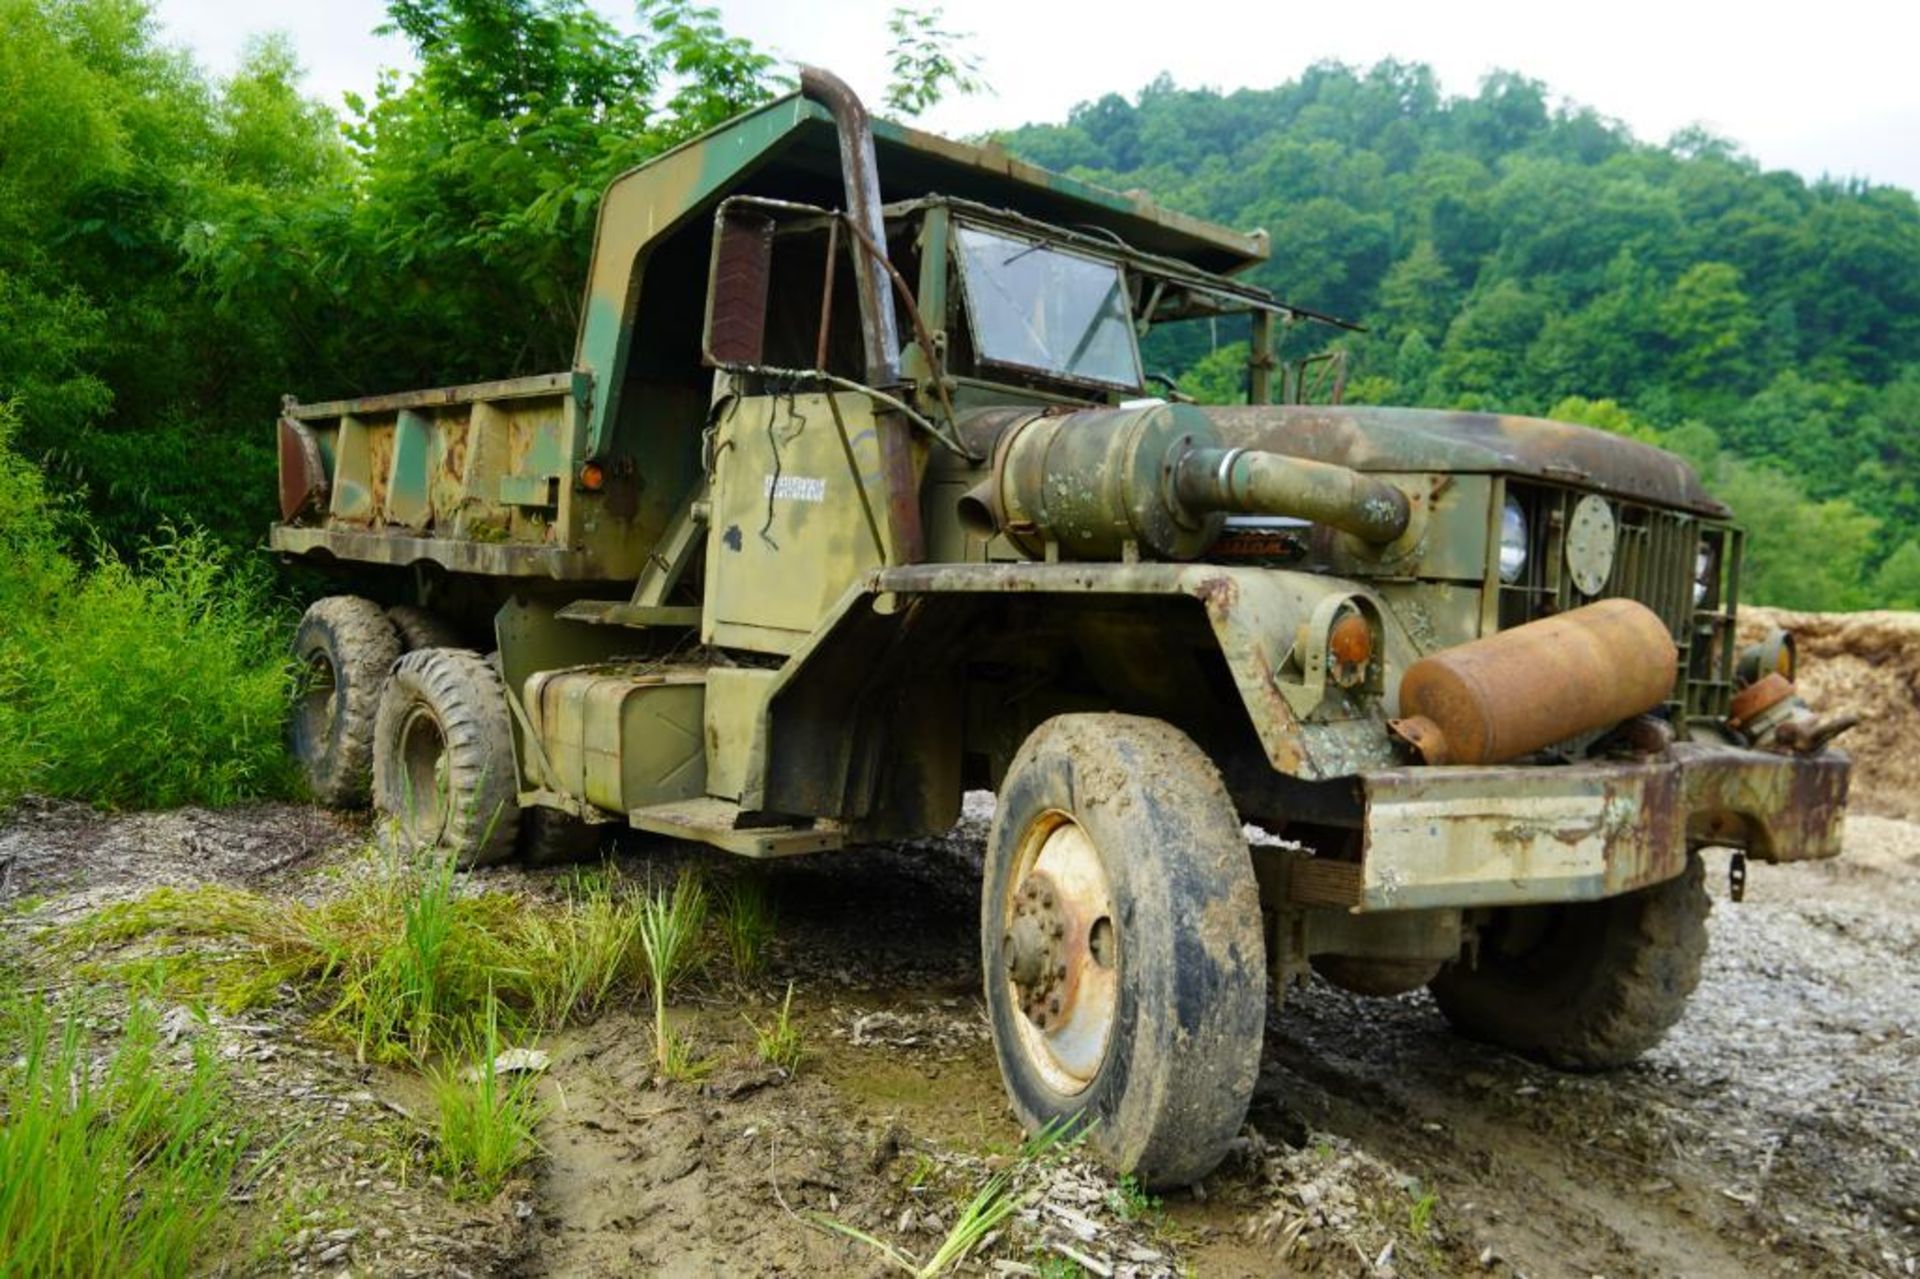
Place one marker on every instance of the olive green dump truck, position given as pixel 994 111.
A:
pixel 858 497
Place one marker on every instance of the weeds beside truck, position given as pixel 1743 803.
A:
pixel 858 496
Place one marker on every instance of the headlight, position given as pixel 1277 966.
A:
pixel 1513 542
pixel 1704 563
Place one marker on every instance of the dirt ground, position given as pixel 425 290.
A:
pixel 1774 1132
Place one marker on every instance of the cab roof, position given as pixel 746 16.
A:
pixel 801 161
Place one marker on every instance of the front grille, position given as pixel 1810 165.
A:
pixel 1654 563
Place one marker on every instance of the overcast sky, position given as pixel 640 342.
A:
pixel 1829 88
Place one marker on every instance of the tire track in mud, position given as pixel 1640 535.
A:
pixel 1544 1208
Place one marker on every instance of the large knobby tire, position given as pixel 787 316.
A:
pixel 343 649
pixel 1588 985
pixel 423 628
pixel 443 765
pixel 1121 943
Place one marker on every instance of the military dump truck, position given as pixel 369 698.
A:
pixel 858 496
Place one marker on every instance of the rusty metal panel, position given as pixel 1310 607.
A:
pixel 790 530
pixel 1513 835
pixel 407 501
pixel 304 484
pixel 620 737
pixel 1466 836
pixel 353 485
pixel 736 702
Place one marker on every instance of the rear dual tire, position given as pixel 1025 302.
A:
pixel 443 757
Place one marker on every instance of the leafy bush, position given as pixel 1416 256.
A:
pixel 157 681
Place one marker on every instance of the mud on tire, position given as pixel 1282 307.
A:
pixel 443 763
pixel 1584 986
pixel 1167 1086
pixel 343 647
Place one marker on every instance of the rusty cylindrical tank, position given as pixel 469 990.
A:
pixel 1525 688
pixel 1156 478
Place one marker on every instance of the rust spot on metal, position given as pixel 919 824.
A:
pixel 304 483
pixel 1762 695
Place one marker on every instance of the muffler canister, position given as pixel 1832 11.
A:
pixel 1525 688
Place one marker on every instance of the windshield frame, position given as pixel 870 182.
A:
pixel 1040 243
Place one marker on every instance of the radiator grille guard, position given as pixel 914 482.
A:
pixel 1656 563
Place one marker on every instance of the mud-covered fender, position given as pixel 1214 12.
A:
pixel 1315 717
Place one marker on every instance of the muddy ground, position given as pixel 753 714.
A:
pixel 1774 1132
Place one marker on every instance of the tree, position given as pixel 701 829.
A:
pixel 1708 324
pixel 928 62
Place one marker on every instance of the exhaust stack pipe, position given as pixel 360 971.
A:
pixel 879 331
pixel 878 328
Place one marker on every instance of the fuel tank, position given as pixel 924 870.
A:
pixel 1525 688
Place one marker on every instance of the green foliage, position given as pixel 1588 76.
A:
pixel 177 251
pixel 747 924
pixel 778 1043
pixel 1508 254
pixel 404 960
pixel 983 1214
pixel 485 1119
pixel 1897 584
pixel 155 681
pixel 1131 1200
pixel 670 927
pixel 106 1167
pixel 927 63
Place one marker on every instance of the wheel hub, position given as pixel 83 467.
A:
pixel 1061 952
pixel 1036 959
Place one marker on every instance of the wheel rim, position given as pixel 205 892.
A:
pixel 1062 949
pixel 319 702
pixel 426 800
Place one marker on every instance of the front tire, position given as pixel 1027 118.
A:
pixel 1588 985
pixel 443 764
pixel 1121 945
pixel 343 648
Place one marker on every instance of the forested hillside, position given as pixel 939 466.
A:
pixel 1509 253
pixel 177 251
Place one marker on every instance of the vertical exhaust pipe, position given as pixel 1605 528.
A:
pixel 879 329
pixel 862 175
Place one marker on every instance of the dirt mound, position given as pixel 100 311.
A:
pixel 1867 663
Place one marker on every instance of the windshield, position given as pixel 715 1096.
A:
pixel 1048 311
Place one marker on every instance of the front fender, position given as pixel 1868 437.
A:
pixel 1271 627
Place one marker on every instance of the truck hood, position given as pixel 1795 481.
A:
pixel 1381 439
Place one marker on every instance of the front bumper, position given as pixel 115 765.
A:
pixel 1509 835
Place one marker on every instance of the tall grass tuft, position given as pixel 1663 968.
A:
pixel 585 952
pixel 748 923
pixel 405 960
pixel 486 1120
pixel 150 683
pixel 107 1170
pixel 778 1043
pixel 670 926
